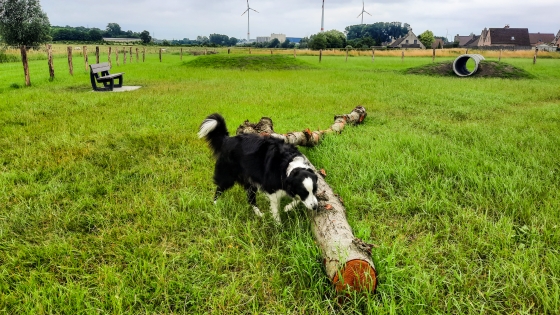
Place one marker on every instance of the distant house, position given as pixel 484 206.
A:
pixel 537 39
pixel 507 36
pixel 438 43
pixel 408 41
pixel 556 40
pixel 463 40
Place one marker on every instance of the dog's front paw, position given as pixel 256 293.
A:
pixel 258 212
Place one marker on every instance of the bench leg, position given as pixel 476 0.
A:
pixel 93 84
pixel 120 82
pixel 112 85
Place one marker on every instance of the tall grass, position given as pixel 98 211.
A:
pixel 105 198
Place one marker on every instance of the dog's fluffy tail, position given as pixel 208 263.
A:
pixel 214 129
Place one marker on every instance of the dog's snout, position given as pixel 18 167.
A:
pixel 315 206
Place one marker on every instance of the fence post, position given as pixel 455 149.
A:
pixel 182 53
pixel 96 54
pixel 294 52
pixel 50 61
pixel 205 51
pixel 109 57
pixel 86 57
pixel 346 54
pixel 70 66
pixel 23 51
pixel 137 58
pixel 320 54
pixel 500 57
pixel 535 57
pixel 228 51
pixel 144 54
pixel 117 55
pixel 130 54
pixel 433 55
pixel 271 51
pixel 467 52
pixel 124 56
pixel 372 54
pixel 402 56
pixel 160 55
pixel 249 50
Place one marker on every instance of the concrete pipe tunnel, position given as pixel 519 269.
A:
pixel 460 64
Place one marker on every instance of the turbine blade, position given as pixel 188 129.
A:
pixel 244 12
pixel 359 15
pixel 254 10
pixel 367 13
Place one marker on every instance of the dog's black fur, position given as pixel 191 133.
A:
pixel 256 162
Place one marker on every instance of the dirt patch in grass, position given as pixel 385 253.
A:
pixel 486 69
pixel 257 62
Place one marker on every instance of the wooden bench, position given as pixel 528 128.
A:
pixel 100 74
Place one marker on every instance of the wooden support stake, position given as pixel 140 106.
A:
pixel 23 51
pixel 124 56
pixel 249 51
pixel 130 55
pixel 295 53
pixel 402 56
pixel 500 57
pixel 535 57
pixel 205 51
pixel 320 55
pixel 467 52
pixel 109 57
pixel 271 51
pixel 182 53
pixel 117 55
pixel 373 54
pixel 346 54
pixel 433 55
pixel 137 57
pixel 86 57
pixel 96 54
pixel 50 61
pixel 228 51
pixel 70 65
pixel 160 55
pixel 143 54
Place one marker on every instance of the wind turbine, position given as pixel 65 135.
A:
pixel 322 17
pixel 363 11
pixel 248 11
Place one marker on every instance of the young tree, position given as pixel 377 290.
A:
pixel 318 41
pixel 22 22
pixel 427 38
pixel 274 43
pixel 145 37
pixel 113 30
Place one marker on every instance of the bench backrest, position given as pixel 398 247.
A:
pixel 100 67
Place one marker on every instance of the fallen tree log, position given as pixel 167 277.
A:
pixel 305 138
pixel 347 259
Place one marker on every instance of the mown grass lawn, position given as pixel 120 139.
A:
pixel 105 198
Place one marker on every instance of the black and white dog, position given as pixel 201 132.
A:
pixel 253 161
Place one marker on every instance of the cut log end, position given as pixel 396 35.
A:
pixel 357 275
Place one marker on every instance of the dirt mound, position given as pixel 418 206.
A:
pixel 486 69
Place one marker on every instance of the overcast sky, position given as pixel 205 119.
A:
pixel 178 19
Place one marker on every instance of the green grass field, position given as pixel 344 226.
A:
pixel 105 198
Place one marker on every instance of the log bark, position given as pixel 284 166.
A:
pixel 305 138
pixel 347 259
